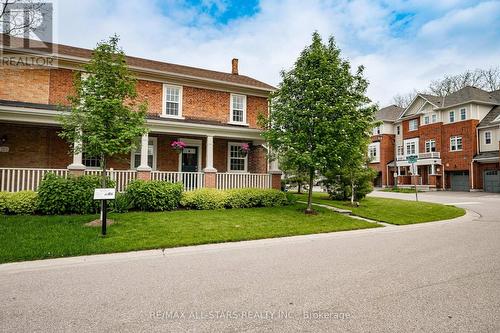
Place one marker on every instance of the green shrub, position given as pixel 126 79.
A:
pixel 121 204
pixel 235 198
pixel 3 202
pixel 154 195
pixel 204 198
pixel 23 202
pixel 73 195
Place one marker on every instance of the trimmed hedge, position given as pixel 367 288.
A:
pixel 73 195
pixel 204 198
pixel 155 195
pixel 23 202
pixel 236 198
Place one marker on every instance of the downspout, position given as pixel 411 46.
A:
pixel 444 178
pixel 472 174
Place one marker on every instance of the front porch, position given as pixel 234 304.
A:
pixel 425 173
pixel 213 159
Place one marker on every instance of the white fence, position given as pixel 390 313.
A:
pixel 121 177
pixel 22 179
pixel 190 180
pixel 243 180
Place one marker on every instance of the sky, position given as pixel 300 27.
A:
pixel 403 44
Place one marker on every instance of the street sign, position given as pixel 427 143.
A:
pixel 412 159
pixel 104 193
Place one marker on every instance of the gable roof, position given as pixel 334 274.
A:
pixel 489 119
pixel 194 72
pixel 467 94
pixel 389 113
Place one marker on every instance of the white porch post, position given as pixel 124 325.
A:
pixel 210 155
pixel 144 154
pixel 433 169
pixel 399 170
pixel 77 164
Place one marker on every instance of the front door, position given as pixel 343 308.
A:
pixel 190 159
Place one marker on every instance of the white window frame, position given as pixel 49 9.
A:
pixel 374 147
pixel 488 136
pixel 434 118
pixel 429 144
pixel 164 101
pixel 398 130
pixel 400 150
pixel 138 150
pixel 463 111
pixel 451 115
pixel 410 127
pixel 411 143
pixel 90 167
pixel 231 121
pixel 427 120
pixel 454 143
pixel 239 144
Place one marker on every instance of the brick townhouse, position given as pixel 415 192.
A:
pixel 455 138
pixel 214 113
pixel 381 149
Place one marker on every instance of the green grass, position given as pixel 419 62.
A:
pixel 392 210
pixel 39 237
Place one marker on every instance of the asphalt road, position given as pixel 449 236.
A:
pixel 434 277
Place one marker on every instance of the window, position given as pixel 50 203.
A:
pixel 455 143
pixel 400 151
pixel 413 125
pixel 238 109
pixel 372 152
pixel 136 155
pixel 434 118
pixel 487 138
pixel 172 101
pixel 411 148
pixel 237 159
pixel 452 116
pixel 398 130
pixel 430 146
pixel 377 130
pixel 426 120
pixel 463 114
pixel 91 161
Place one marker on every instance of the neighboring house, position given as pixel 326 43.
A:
pixel 381 149
pixel 213 112
pixel 455 138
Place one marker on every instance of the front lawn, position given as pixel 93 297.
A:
pixel 392 210
pixel 39 237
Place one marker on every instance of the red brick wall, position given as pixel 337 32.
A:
pixel 24 85
pixel 61 86
pixel 407 134
pixel 152 93
pixel 34 147
pixel 459 160
pixel 386 155
pixel 428 132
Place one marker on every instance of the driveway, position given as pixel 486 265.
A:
pixel 433 277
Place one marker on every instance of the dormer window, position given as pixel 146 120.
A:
pixel 238 109
pixel 172 101
pixel 487 138
pixel 452 116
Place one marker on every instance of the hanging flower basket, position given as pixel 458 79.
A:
pixel 178 146
pixel 245 148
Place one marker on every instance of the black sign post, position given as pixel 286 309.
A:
pixel 104 194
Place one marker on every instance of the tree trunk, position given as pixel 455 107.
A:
pixel 299 187
pixel 103 182
pixel 352 191
pixel 309 197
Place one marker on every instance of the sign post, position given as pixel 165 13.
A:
pixel 412 159
pixel 104 194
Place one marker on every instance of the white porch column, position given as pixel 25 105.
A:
pixel 433 169
pixel 210 155
pixel 273 164
pixel 77 157
pixel 144 154
pixel 399 170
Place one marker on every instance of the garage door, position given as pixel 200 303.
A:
pixel 492 181
pixel 460 181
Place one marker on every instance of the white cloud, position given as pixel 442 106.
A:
pixel 271 40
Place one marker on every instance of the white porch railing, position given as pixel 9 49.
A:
pixel 421 156
pixel 22 179
pixel 121 177
pixel 190 180
pixel 243 180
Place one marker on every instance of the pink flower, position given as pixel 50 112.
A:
pixel 245 147
pixel 178 145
